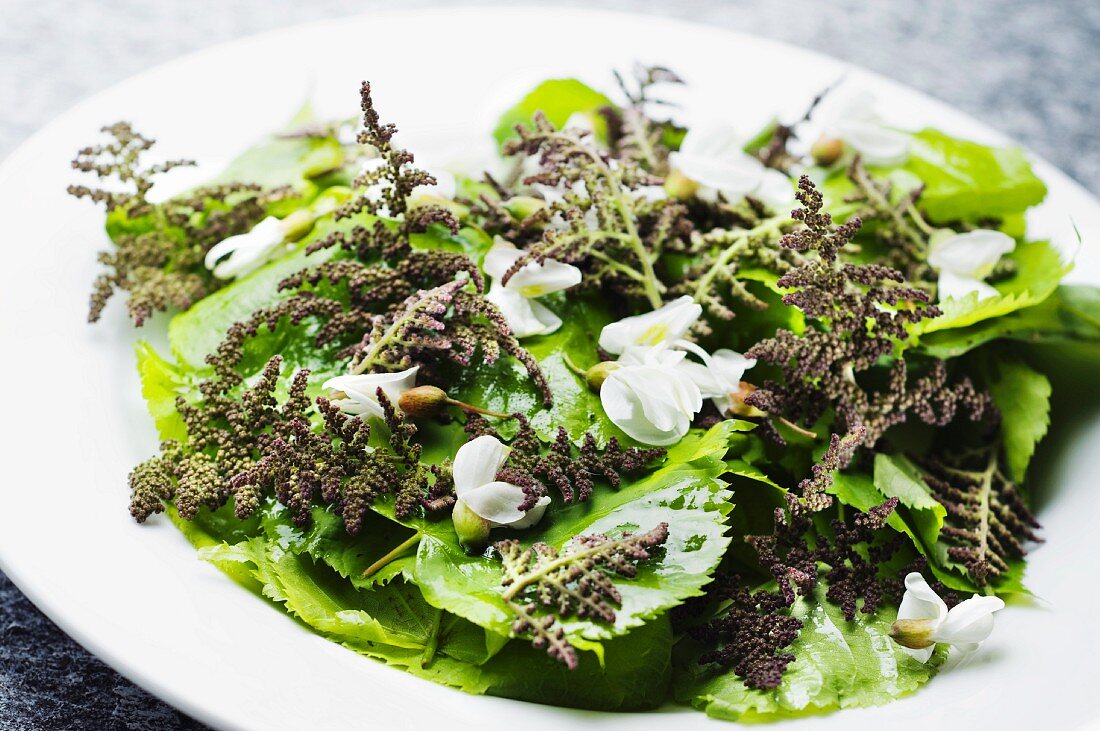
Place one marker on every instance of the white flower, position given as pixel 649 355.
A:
pixel 517 298
pixel 666 324
pixel 924 620
pixel 358 394
pixel 650 397
pixel 483 502
pixel 712 156
pixel 719 375
pixel 238 255
pixel 965 259
pixel 851 117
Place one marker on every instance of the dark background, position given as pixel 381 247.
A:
pixel 1029 69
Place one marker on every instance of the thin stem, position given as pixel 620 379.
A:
pixel 796 428
pixel 573 366
pixel 396 553
pixel 739 244
pixel 477 409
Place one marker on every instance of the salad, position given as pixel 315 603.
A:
pixel 642 407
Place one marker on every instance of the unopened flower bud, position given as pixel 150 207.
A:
pixel 472 529
pixel 916 634
pixel 827 150
pixel 423 401
pixel 297 224
pixel 679 186
pixel 597 374
pixel 523 206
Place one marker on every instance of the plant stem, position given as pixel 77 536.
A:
pixel 470 408
pixel 573 366
pixel 738 245
pixel 396 553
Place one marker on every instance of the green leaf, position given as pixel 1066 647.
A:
pixel 964 180
pixel 394 624
pixel 1039 268
pixel 634 675
pixel 324 601
pixel 685 493
pixel 1071 314
pixel 558 99
pixel 326 540
pixel 161 384
pixel 296 162
pixel 1022 395
pixel 838 664
pixel 896 476
pixel 919 515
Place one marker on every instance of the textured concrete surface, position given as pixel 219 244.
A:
pixel 1027 68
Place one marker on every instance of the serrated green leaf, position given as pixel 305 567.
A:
pixel 1022 395
pixel 965 180
pixel 895 476
pixel 684 492
pixel 1039 268
pixel 839 664
pixel 1070 315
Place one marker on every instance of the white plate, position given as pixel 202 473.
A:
pixel 139 598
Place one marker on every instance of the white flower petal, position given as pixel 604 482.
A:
pixel 535 280
pixel 971 254
pixel 534 515
pixel 731 365
pixel 581 121
pixel 665 324
pixel 476 463
pixel 651 404
pixel 875 143
pixel 550 321
pixel 500 258
pixel 775 190
pixel 496 502
pixel 920 602
pixel 923 655
pixel 238 255
pixel 954 286
pixel 969 622
pixel 734 176
pixel 710 138
pixel 520 314
pixel 361 391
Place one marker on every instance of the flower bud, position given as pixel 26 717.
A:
pixel 827 150
pixel 523 206
pixel 423 401
pixel 916 634
pixel 472 529
pixel 597 374
pixel 297 224
pixel 679 186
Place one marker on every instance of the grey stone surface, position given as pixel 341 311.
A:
pixel 1027 68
